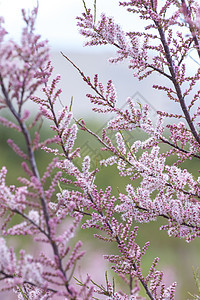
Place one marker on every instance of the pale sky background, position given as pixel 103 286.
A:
pixel 57 18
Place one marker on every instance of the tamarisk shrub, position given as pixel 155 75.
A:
pixel 166 191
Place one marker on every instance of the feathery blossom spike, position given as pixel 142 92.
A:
pixel 69 143
pixel 9 124
pixel 9 198
pixel 17 149
pixel 120 143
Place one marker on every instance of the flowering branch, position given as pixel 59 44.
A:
pixel 164 189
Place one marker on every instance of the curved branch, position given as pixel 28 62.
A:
pixel 192 29
pixel 25 282
pixel 175 83
pixel 36 174
pixel 169 218
pixel 148 292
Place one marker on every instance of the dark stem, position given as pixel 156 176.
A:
pixel 178 148
pixel 25 282
pixel 171 69
pixel 192 29
pixel 148 292
pixel 175 82
pixel 169 218
pixel 34 168
pixel 128 162
pixel 88 82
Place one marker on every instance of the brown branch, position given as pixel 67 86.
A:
pixel 192 29
pixel 175 82
pixel 25 282
pixel 148 292
pixel 178 148
pixel 88 82
pixel 128 162
pixel 172 72
pixel 169 218
pixel 36 174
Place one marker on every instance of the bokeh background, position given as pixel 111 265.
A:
pixel 57 22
